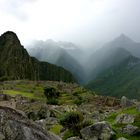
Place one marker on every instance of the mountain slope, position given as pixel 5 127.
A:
pixel 110 54
pixel 15 63
pixel 103 59
pixel 127 43
pixel 58 53
pixel 121 79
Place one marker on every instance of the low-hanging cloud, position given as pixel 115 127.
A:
pixel 84 22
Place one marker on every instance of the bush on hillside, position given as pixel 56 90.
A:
pixel 73 122
pixel 51 92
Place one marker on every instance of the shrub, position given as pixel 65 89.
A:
pixel 68 134
pixel 51 92
pixel 72 121
pixel 56 128
pixel 32 116
pixel 86 123
pixel 53 101
pixel 79 100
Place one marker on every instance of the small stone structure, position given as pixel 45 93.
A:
pixel 110 101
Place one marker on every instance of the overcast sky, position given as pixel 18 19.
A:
pixel 83 22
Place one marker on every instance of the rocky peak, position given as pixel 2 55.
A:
pixel 123 39
pixel 16 63
pixel 9 37
pixel 9 34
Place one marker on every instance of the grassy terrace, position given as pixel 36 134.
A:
pixel 27 89
pixel 24 94
pixel 69 93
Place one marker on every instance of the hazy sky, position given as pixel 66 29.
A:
pixel 83 22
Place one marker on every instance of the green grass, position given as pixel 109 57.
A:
pixel 128 137
pixel 56 129
pixel 24 94
pixel 131 110
pixel 119 80
pixel 35 90
pixel 111 119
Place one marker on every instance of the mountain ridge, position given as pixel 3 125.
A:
pixel 16 63
pixel 122 79
pixel 54 53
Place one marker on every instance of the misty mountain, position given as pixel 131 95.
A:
pixel 16 63
pixel 104 59
pixel 111 54
pixel 125 42
pixel 122 79
pixel 62 54
pixel 84 64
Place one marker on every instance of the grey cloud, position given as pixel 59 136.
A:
pixel 13 7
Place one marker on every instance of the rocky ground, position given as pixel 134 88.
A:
pixel 73 113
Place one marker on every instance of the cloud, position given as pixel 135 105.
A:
pixel 15 8
pixel 84 22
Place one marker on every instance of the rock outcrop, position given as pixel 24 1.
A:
pixel 130 130
pixel 125 119
pixel 122 138
pixel 74 138
pixel 14 125
pixel 100 130
pixel 125 102
pixel 138 107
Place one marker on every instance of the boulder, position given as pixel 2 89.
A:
pixel 125 119
pixel 122 138
pixel 74 138
pixel 125 102
pixel 130 130
pixel 2 137
pixel 97 116
pixel 100 130
pixel 138 107
pixel 47 123
pixel 43 113
pixel 14 125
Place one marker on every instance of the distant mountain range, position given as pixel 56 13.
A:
pixel 111 54
pixel 125 42
pixel 15 63
pixel 111 70
pixel 119 80
pixel 62 54
pixel 117 69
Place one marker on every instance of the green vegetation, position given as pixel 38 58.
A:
pixel 68 134
pixel 52 95
pixel 69 116
pixel 122 79
pixel 24 94
pixel 59 93
pixel 111 120
pixel 73 122
pixel 56 129
pixel 27 89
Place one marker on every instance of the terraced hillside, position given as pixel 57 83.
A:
pixel 53 113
